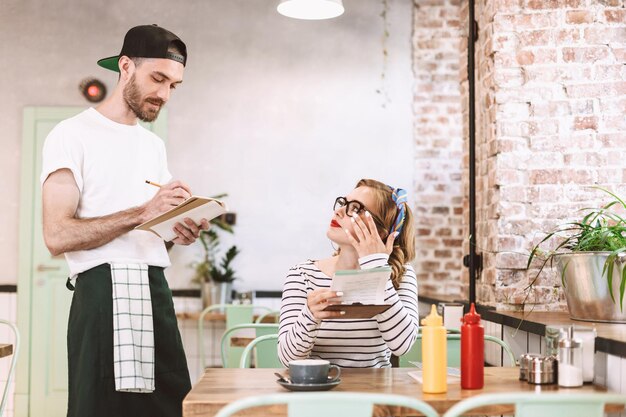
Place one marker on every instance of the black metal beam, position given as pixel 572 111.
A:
pixel 473 267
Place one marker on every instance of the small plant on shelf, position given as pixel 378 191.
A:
pixel 210 269
pixel 601 230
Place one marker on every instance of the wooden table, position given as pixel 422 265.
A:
pixel 5 350
pixel 218 387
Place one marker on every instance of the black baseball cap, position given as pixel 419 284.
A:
pixel 147 41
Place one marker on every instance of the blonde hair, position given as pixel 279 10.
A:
pixel 386 210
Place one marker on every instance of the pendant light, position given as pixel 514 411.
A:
pixel 311 9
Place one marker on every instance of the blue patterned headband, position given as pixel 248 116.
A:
pixel 400 198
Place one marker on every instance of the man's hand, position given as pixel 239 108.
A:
pixel 169 196
pixel 188 232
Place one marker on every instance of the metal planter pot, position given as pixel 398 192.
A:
pixel 216 293
pixel 586 288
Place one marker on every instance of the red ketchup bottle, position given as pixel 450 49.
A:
pixel 472 351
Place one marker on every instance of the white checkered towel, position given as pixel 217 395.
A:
pixel 133 332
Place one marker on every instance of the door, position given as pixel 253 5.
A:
pixel 43 299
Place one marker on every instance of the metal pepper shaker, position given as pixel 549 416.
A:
pixel 542 370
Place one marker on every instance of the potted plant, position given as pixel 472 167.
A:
pixel 591 257
pixel 214 275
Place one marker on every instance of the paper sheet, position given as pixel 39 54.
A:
pixel 364 286
pixel 451 371
pixel 417 375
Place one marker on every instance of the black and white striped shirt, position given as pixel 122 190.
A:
pixel 349 343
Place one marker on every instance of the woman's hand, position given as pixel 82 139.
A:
pixel 318 300
pixel 366 240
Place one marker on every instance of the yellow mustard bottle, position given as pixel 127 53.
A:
pixel 434 354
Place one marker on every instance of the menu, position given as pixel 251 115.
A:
pixel 363 292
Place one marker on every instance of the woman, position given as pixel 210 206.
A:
pixel 373 226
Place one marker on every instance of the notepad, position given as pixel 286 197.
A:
pixel 363 292
pixel 195 207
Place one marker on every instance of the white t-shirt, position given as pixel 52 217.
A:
pixel 110 162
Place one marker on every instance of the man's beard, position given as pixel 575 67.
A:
pixel 132 97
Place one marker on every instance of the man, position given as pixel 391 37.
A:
pixel 124 349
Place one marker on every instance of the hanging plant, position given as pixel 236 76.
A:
pixel 383 91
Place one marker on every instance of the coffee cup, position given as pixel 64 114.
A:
pixel 312 371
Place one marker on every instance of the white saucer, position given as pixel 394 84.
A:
pixel 325 386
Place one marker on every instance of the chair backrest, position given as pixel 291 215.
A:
pixel 265 352
pixel 265 318
pixel 530 404
pixel 329 404
pixel 231 355
pixel 235 314
pixel 453 350
pixel 16 352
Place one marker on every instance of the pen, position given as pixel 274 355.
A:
pixel 153 183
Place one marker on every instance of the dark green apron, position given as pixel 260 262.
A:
pixel 90 352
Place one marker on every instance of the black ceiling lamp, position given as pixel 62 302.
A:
pixel 93 90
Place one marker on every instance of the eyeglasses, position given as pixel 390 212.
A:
pixel 352 207
pixel 355 207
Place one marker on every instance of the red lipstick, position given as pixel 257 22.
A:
pixel 334 223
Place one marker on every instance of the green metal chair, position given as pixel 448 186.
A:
pixel 328 404
pixel 235 315
pixel 231 355
pixel 529 404
pixel 263 317
pixel 454 350
pixel 265 352
pixel 16 352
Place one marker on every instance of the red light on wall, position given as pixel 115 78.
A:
pixel 93 90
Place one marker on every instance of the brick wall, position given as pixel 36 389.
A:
pixel 551 121
pixel 438 140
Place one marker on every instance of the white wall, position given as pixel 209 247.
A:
pixel 281 114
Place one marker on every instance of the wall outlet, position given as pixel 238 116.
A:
pixel 229 218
